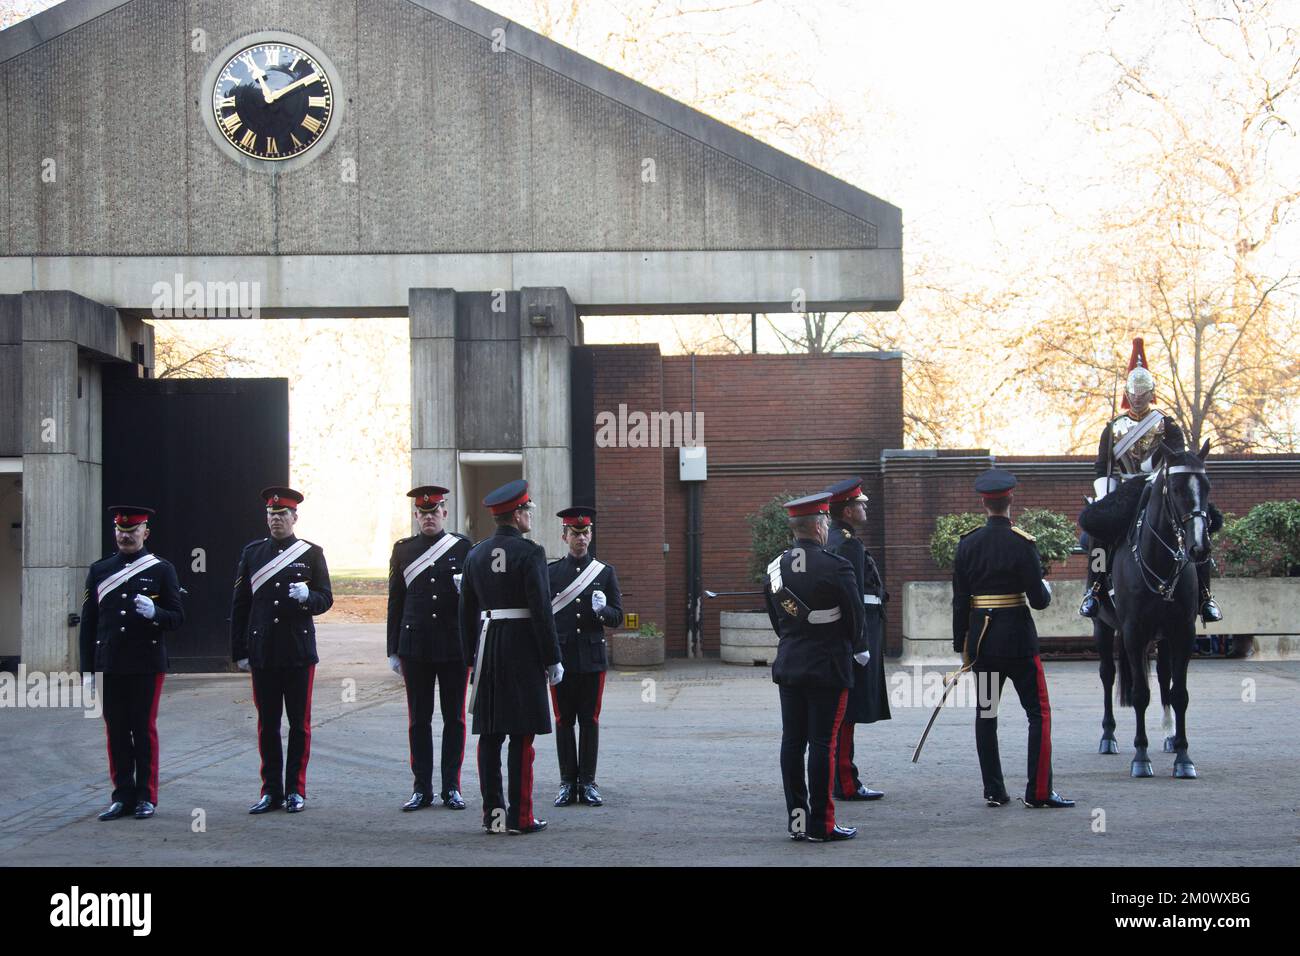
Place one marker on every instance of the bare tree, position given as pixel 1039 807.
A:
pixel 1194 254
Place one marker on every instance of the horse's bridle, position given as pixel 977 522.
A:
pixel 1164 586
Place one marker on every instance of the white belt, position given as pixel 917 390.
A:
pixel 870 599
pixel 824 617
pixel 487 617
pixel 505 614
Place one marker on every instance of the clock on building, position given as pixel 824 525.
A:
pixel 273 101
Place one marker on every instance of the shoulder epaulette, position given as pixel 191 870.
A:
pixel 1023 533
pixel 970 531
pixel 846 532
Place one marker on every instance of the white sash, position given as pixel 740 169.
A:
pixel 429 557
pixel 567 596
pixel 111 582
pixel 272 568
pixel 1136 432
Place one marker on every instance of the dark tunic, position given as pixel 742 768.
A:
pixel 869 699
pixel 997 559
pixel 501 572
pixel 114 638
pixel 817 655
pixel 424 616
pixel 270 628
pixel 581 631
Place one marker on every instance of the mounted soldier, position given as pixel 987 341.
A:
pixel 1131 447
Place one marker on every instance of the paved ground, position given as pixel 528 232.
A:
pixel 690 777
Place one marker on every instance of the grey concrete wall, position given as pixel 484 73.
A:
pixel 544 356
pixel 64 340
pixel 434 397
pixel 11 375
pixel 487 370
pixel 457 148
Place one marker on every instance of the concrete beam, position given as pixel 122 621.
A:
pixel 598 283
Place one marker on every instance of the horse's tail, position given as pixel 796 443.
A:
pixel 1126 676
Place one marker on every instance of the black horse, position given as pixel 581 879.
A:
pixel 1153 576
pixel 1105 628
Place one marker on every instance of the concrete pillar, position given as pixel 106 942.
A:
pixel 65 338
pixel 547 332
pixel 434 391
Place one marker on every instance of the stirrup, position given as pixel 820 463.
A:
pixel 1210 612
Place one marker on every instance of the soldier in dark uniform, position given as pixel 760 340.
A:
pixel 997 576
pixel 508 632
pixel 281 583
pixel 132 598
pixel 424 643
pixel 1130 449
pixel 585 600
pixel 868 698
pixel 815 605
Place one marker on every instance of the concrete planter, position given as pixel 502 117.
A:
pixel 747 638
pixel 1267 608
pixel 628 649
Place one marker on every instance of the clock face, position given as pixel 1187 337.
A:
pixel 272 101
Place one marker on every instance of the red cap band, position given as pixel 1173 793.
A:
pixel 507 506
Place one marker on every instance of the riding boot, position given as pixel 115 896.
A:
pixel 1209 608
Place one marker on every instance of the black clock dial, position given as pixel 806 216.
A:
pixel 272 101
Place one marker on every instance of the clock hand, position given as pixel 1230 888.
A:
pixel 266 90
pixel 309 78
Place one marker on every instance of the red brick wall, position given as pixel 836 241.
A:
pixel 630 481
pixel 920 490
pixel 761 411
pixel 796 423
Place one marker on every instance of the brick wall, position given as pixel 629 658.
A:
pixel 919 490
pixel 796 423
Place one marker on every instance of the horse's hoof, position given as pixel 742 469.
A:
pixel 1185 771
pixel 1141 768
pixel 1169 745
pixel 1109 745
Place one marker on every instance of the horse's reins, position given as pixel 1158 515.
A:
pixel 1164 586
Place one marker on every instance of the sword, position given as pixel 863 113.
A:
pixel 949 683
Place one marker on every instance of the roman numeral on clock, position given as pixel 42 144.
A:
pixel 231 123
pixel 248 140
pixel 312 124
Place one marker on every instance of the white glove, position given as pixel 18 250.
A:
pixel 455 579
pixel 299 591
pixel 862 658
pixel 88 683
pixel 242 664
pixel 555 673
pixel 1047 586
pixel 144 607
pixel 395 663
pixel 597 601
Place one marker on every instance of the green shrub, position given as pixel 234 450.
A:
pixel 648 629
pixel 1264 543
pixel 1055 534
pixel 769 534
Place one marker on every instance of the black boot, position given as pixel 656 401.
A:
pixel 1210 612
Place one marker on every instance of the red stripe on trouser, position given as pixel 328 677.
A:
pixel 410 719
pixel 261 757
pixel 108 737
pixel 306 730
pixel 153 740
pixel 844 758
pixel 1045 736
pixel 600 698
pixel 526 783
pixel 830 783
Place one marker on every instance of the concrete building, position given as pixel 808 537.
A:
pixel 425 158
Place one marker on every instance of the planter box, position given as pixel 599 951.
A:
pixel 630 649
pixel 747 638
pixel 1268 608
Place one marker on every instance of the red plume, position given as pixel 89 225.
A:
pixel 1136 359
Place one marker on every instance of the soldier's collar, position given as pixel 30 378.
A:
pixel 999 519
pixel 509 529
pixel 129 558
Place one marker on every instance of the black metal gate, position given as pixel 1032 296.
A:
pixel 198 451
